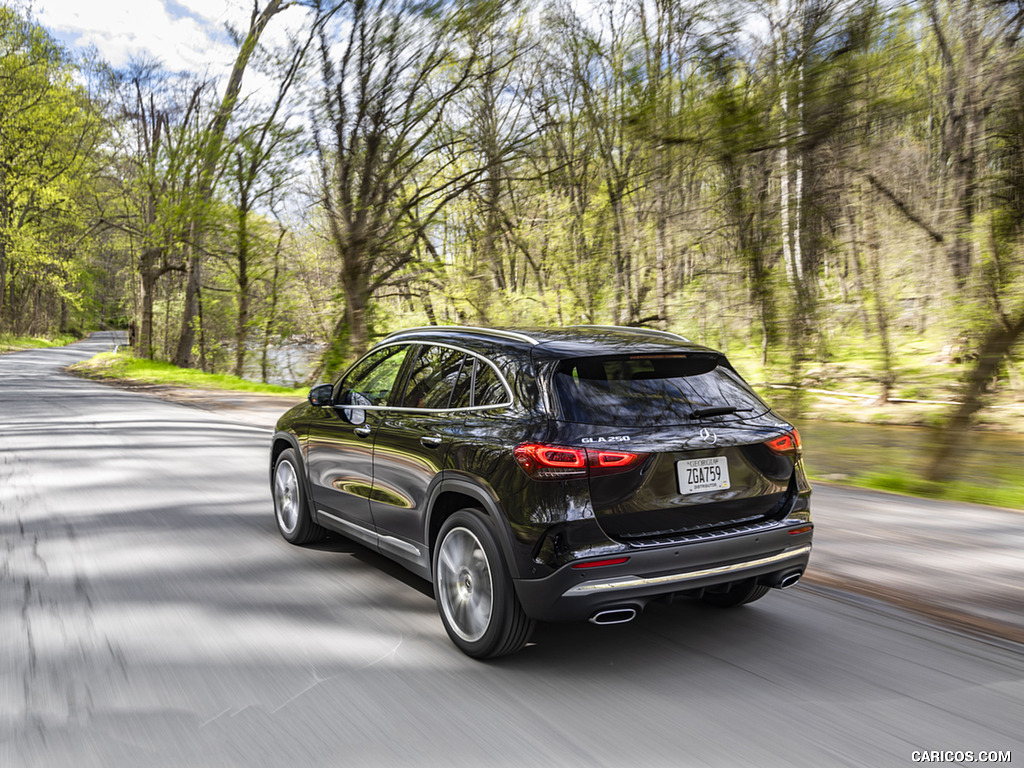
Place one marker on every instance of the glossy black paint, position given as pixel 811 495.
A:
pixel 392 480
pixel 339 462
pixel 409 454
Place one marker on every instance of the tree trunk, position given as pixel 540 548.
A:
pixel 3 276
pixel 998 344
pixel 620 286
pixel 211 156
pixel 661 267
pixel 190 314
pixel 881 311
pixel 147 290
pixel 5 224
pixel 241 327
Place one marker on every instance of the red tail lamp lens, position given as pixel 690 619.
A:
pixel 612 458
pixel 787 443
pixel 612 462
pixel 554 462
pixel 601 563
pixel 551 461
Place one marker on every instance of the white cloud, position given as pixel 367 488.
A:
pixel 188 35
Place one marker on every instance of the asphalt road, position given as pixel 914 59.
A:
pixel 150 615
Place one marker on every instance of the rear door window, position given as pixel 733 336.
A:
pixel 479 386
pixel 488 389
pixel 432 377
pixel 462 395
pixel 650 390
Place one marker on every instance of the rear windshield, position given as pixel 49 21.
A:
pixel 653 390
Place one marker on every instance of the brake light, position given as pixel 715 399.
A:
pixel 551 462
pixel 559 462
pixel 787 443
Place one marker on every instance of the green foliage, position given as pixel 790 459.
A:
pixel 1006 494
pixel 49 132
pixel 125 367
pixel 11 343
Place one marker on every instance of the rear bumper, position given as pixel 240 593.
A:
pixel 572 594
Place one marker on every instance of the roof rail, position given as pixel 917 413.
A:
pixel 515 335
pixel 636 330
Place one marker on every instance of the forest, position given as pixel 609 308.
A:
pixel 796 181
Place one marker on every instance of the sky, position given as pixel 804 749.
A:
pixel 185 35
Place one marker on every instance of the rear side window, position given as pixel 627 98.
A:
pixel 462 396
pixel 479 386
pixel 433 375
pixel 488 389
pixel 650 390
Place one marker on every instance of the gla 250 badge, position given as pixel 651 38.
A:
pixel 615 439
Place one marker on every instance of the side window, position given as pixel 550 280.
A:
pixel 462 395
pixel 432 378
pixel 487 388
pixel 373 378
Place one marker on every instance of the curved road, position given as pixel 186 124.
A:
pixel 150 615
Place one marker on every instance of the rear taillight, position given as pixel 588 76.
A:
pixel 788 443
pixel 551 462
pixel 559 462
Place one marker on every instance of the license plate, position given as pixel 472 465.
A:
pixel 699 475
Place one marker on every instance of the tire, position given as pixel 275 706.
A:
pixel 740 593
pixel 474 592
pixel 291 509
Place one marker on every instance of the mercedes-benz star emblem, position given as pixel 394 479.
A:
pixel 708 436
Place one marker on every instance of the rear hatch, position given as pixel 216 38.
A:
pixel 710 456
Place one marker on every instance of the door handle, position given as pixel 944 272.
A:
pixel 362 431
pixel 430 441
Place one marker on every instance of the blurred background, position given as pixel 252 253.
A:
pixel 830 192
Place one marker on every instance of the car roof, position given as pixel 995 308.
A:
pixel 558 343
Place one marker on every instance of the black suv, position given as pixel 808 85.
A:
pixel 560 474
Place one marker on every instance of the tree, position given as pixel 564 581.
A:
pixel 388 163
pixel 48 136
pixel 211 156
pixel 156 169
pixel 260 168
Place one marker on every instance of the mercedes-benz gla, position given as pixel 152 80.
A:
pixel 549 475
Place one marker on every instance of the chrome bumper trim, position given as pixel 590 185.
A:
pixel 632 582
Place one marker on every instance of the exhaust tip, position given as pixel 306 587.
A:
pixel 790 580
pixel 613 616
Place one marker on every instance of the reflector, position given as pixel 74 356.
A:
pixel 601 563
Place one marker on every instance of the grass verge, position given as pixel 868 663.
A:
pixel 9 343
pixel 124 367
pixel 1002 495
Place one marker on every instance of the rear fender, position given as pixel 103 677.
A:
pixel 484 497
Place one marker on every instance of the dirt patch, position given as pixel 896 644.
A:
pixel 974 625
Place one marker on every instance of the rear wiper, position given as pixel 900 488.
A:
pixel 720 410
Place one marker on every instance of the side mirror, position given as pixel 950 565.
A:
pixel 351 398
pixel 322 395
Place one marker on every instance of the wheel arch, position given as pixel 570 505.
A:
pixel 455 493
pixel 281 442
